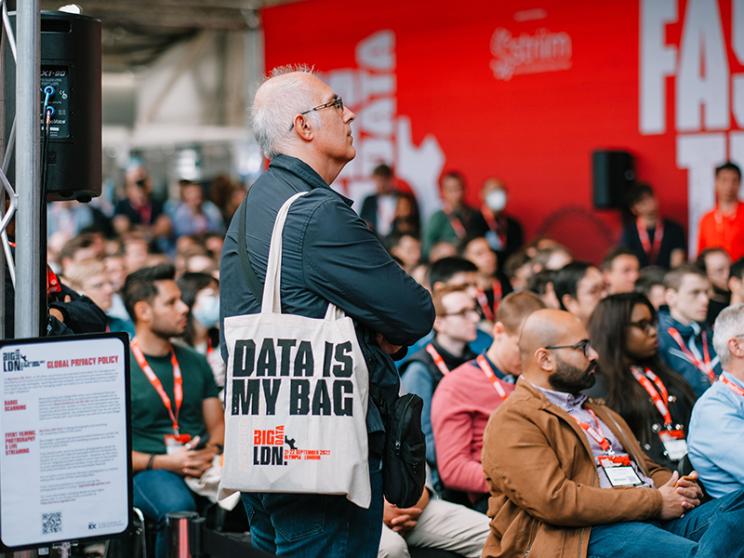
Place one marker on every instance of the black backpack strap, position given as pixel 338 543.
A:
pixel 250 275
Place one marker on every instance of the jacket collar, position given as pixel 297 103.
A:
pixel 305 172
pixel 666 321
pixel 601 411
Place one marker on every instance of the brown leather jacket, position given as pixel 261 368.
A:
pixel 545 493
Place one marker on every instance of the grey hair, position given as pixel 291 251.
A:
pixel 729 324
pixel 281 97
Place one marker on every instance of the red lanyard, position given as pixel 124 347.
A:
pixel 595 432
pixel 491 375
pixel 494 225
pixel 158 386
pixel 438 360
pixel 732 386
pixel 457 226
pixel 652 251
pixel 490 313
pixel 483 303
pixel 704 367
pixel 659 394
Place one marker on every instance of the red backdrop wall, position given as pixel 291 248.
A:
pixel 525 91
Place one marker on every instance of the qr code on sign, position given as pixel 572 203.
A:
pixel 51 523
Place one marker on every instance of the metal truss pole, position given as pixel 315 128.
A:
pixel 28 295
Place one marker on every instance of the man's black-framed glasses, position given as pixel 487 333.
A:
pixel 336 102
pixel 585 345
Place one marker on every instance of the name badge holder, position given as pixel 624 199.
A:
pixel 616 466
pixel 619 470
pixel 672 436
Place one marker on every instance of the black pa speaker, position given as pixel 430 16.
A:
pixel 613 174
pixel 70 82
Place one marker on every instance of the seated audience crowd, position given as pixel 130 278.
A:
pixel 570 408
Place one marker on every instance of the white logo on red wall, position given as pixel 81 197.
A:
pixel 529 53
pixel 708 100
pixel 380 134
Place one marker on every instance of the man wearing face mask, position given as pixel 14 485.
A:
pixel 568 478
pixel 504 233
pixel 200 292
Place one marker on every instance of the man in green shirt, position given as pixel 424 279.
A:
pixel 456 220
pixel 177 418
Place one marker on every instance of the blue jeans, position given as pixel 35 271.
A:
pixel 316 525
pixel 158 493
pixel 712 530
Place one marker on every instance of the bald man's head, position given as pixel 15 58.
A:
pixel 555 351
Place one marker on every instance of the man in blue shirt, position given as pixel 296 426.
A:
pixel 685 340
pixel 716 439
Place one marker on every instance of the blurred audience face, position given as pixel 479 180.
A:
pixel 647 207
pixel 135 254
pixel 383 184
pixel 214 244
pixel 622 274
pixel 166 314
pixel 494 195
pixel 558 259
pixel 99 289
pixel 460 319
pixel 137 186
pixel 420 275
pixel 727 186
pixel 506 345
pixel 690 302
pixel 192 195
pixel 717 265
pixel 453 192
pixel 521 276
pixel 206 309
pixel 736 286
pixel 441 250
pixel 117 271
pixel 657 296
pixel 641 341
pixel 408 251
pixel 590 290
pixel 479 252
pixel 200 263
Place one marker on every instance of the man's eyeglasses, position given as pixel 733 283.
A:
pixel 336 102
pixel 644 325
pixel 584 345
pixel 465 312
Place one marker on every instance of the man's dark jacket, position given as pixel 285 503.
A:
pixel 329 254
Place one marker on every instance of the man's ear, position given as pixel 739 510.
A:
pixel 670 296
pixel 544 359
pixel 498 329
pixel 142 311
pixel 302 127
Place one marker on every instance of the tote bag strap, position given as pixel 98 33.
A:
pixel 272 302
pixel 253 283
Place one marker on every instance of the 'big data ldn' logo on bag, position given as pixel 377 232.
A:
pixel 16 361
pixel 268 448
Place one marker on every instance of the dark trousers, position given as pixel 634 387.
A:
pixel 316 525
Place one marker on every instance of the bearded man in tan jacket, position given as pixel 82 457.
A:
pixel 568 479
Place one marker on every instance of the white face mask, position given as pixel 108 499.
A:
pixel 207 310
pixel 496 200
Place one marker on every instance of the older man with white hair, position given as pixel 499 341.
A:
pixel 329 255
pixel 716 439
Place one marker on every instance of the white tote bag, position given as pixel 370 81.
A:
pixel 296 398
